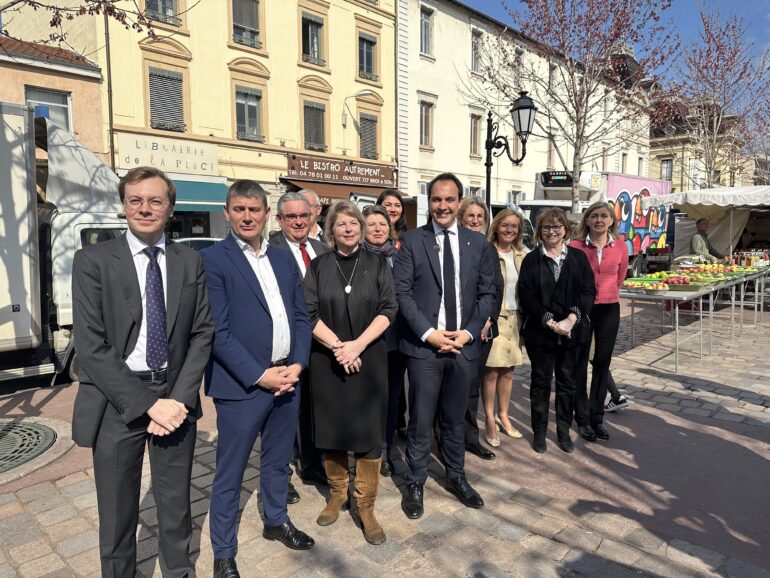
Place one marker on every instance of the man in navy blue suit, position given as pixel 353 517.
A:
pixel 444 280
pixel 261 345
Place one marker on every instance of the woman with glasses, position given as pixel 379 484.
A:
pixel 473 215
pixel 556 293
pixel 393 203
pixel 608 257
pixel 505 234
pixel 378 239
pixel 352 302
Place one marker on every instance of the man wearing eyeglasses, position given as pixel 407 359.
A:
pixel 144 334
pixel 315 232
pixel 295 216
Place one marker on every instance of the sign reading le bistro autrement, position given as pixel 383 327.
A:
pixel 342 172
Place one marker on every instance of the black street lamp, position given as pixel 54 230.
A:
pixel 523 113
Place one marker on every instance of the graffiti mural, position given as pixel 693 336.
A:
pixel 641 228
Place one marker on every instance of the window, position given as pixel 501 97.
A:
pixel 694 172
pixel 368 130
pixel 314 114
pixel 623 162
pixel 164 11
pixel 640 167
pixel 366 46
pixel 476 46
pixel 426 124
pixel 246 23
pixel 248 114
pixel 166 100
pixel 667 169
pixel 312 39
pixel 475 135
pixel 426 31
pixel 51 104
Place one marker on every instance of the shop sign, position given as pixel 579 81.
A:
pixel 167 154
pixel 339 171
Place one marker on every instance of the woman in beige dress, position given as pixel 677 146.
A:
pixel 505 234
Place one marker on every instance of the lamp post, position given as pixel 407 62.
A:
pixel 523 113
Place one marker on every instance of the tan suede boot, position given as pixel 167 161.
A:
pixel 336 466
pixel 366 482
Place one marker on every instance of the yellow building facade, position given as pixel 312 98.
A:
pixel 292 94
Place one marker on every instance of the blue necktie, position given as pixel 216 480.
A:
pixel 155 302
pixel 450 295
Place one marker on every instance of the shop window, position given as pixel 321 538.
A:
pixel 166 100
pixel 248 114
pixel 166 11
pixel 246 23
pixel 314 117
pixel 312 39
pixel 368 124
pixel 51 104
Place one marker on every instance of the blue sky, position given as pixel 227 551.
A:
pixel 683 13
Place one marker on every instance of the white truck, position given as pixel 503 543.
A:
pixel 56 196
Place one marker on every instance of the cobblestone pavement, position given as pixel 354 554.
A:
pixel 681 490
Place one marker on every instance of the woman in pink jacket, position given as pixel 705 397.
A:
pixel 608 257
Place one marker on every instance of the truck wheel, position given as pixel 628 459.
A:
pixel 73 368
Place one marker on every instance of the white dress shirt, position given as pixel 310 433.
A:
pixel 137 360
pixel 294 248
pixel 610 242
pixel 454 242
pixel 262 268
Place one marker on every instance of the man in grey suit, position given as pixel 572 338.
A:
pixel 143 337
pixel 295 216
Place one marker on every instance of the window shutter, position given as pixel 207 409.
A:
pixel 368 126
pixel 246 22
pixel 248 109
pixel 314 126
pixel 166 100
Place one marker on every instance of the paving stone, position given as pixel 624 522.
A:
pixel 29 550
pixel 660 566
pixel 695 556
pixel 732 417
pixel 85 500
pixel 17 530
pixel 696 411
pixel 5 498
pixel 381 554
pixel 534 563
pixel 613 570
pixel 422 542
pixel 530 498
pixel 78 543
pixel 548 526
pixel 10 509
pixel 36 492
pixel 486 570
pixel 739 569
pixel 618 552
pixel 71 479
pixel 56 515
pixel 670 407
pixel 146 549
pixel 41 566
pixel 86 562
pixel 437 524
pixel 78 488
pixel 7 571
pixel 578 537
pixel 544 546
pixel 67 528
pixel 642 538
pixel 582 562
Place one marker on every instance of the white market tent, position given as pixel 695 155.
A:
pixel 728 209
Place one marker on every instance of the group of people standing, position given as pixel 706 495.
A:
pixel 305 341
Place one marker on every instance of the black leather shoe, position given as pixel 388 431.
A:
pixel 292 495
pixel 538 443
pixel 411 502
pixel 313 476
pixel 566 445
pixel 480 451
pixel 386 468
pixel 289 536
pixel 601 432
pixel 226 568
pixel 587 433
pixel 460 487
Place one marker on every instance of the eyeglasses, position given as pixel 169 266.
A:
pixel 136 203
pixel 296 217
pixel 554 228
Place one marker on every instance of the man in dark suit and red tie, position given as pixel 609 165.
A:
pixel 143 337
pixel 261 346
pixel 444 278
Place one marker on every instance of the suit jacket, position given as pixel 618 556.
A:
pixel 107 315
pixel 243 336
pixel 418 279
pixel 280 241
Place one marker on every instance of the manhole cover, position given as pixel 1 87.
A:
pixel 21 442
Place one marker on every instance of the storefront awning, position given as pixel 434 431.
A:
pixel 192 196
pixel 331 191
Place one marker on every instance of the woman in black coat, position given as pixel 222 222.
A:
pixel 351 301
pixel 556 292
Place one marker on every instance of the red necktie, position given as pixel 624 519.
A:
pixel 305 254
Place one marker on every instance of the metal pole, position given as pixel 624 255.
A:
pixel 489 145
pixel 110 118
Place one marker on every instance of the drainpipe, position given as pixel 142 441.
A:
pixel 110 119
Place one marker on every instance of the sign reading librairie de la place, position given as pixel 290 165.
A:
pixel 167 154
pixel 342 172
